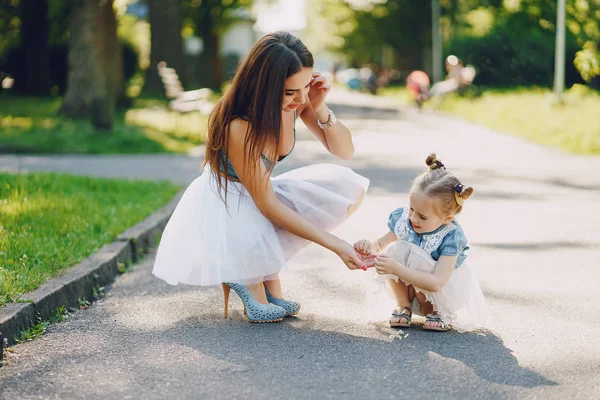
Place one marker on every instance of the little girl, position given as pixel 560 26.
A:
pixel 426 256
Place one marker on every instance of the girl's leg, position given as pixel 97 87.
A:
pixel 425 306
pixel 401 293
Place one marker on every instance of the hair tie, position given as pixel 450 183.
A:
pixel 435 164
pixel 458 194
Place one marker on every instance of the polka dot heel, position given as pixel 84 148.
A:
pixel 255 311
pixel 290 307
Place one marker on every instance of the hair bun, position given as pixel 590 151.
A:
pixel 462 193
pixel 466 192
pixel 433 163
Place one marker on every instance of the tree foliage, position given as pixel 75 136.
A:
pixel 208 20
pixel 511 41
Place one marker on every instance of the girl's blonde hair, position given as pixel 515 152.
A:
pixel 443 185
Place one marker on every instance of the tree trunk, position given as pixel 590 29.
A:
pixel 166 43
pixel 95 79
pixel 85 79
pixel 34 34
pixel 212 68
pixel 111 52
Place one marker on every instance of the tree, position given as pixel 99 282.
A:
pixel 166 44
pixel 9 26
pixel 369 25
pixel 95 78
pixel 210 18
pixel 34 35
pixel 331 21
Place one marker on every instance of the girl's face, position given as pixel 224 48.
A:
pixel 423 213
pixel 296 89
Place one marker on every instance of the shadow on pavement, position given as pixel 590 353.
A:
pixel 343 362
pixel 175 341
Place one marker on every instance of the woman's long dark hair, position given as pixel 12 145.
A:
pixel 256 94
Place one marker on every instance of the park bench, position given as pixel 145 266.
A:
pixel 180 100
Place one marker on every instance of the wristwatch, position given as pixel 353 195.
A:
pixel 330 121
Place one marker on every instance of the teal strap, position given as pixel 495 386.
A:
pixel 268 163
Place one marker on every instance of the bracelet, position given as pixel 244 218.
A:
pixel 330 121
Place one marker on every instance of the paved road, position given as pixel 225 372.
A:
pixel 533 225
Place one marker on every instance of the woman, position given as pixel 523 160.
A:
pixel 235 224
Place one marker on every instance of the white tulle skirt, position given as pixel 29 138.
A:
pixel 206 242
pixel 460 302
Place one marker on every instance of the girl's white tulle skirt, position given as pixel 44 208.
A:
pixel 206 242
pixel 460 303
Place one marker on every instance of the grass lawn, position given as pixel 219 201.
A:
pixel 530 113
pixel 49 222
pixel 33 125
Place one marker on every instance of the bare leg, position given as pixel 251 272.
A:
pixel 400 293
pixel 426 307
pixel 258 292
pixel 273 285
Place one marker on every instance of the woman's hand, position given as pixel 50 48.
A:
pixel 349 256
pixel 386 265
pixel 365 250
pixel 319 88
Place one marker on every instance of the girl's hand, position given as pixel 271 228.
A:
pixel 349 256
pixel 363 247
pixel 386 265
pixel 318 91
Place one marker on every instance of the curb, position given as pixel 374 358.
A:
pixel 79 282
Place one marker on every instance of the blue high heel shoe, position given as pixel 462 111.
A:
pixel 290 307
pixel 255 311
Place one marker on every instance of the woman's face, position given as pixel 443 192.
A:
pixel 295 89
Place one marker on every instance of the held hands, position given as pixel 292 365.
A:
pixel 349 256
pixel 365 247
pixel 319 88
pixel 366 251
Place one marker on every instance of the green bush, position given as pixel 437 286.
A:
pixel 513 56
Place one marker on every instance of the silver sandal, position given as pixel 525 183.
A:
pixel 443 327
pixel 399 314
